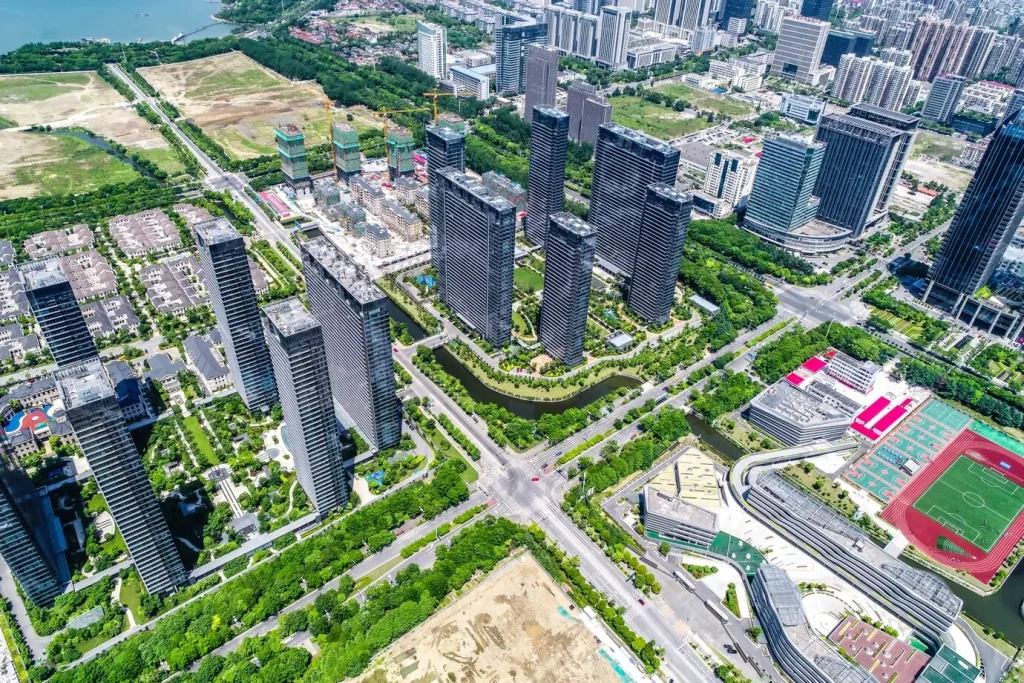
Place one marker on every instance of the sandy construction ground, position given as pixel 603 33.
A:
pixel 514 626
pixel 238 102
pixel 953 177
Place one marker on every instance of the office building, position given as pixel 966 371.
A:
pixel 727 182
pixel 907 128
pixel 470 82
pixel 795 646
pixel 596 112
pixel 576 95
pixel 446 148
pixel 1014 104
pixel 353 313
pixel 860 155
pixel 626 162
pixel 226 265
pixel 798 52
pixel 673 17
pixel 673 518
pixel 736 9
pixel 56 310
pixel 27 539
pixel 572 32
pixel 93 411
pixel 613 37
pixel 918 597
pixel 570 248
pixel 803 108
pixel 347 160
pixel 647 52
pixel 984 223
pixel 296 342
pixel 479 255
pixel 400 148
pixel 839 43
pixel 801 414
pixel 943 99
pixel 541 78
pixel 432 44
pixel 291 148
pixel 510 48
pixel 703 39
pixel 781 199
pixel 548 144
pixel 652 286
pixel 816 9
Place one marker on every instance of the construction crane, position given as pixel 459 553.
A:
pixel 434 94
pixel 383 113
pixel 330 132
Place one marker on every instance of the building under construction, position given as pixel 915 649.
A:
pixel 291 145
pixel 453 121
pixel 346 150
pixel 400 149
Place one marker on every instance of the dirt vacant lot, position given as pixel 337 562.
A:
pixel 514 626
pixel 47 164
pixel 238 102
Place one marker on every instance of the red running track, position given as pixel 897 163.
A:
pixel 924 532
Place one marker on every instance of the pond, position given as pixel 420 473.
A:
pixel 97 141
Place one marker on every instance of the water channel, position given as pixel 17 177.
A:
pixel 96 141
pixel 1000 611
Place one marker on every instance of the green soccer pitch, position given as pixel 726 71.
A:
pixel 973 501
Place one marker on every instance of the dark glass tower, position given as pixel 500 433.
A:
pixel 541 77
pixel 92 409
pixel 841 43
pixel 549 140
pixel 238 315
pixel 855 172
pixel 24 539
pixel 988 216
pixel 296 344
pixel 781 198
pixel 735 9
pixel 816 9
pixel 354 315
pixel 907 127
pixel 479 255
pixel 510 46
pixel 60 319
pixel 445 148
pixel 626 163
pixel 571 246
pixel 666 216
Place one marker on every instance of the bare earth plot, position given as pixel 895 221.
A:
pixel 64 100
pixel 238 102
pixel 514 626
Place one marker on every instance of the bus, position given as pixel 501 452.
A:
pixel 685 580
pixel 718 611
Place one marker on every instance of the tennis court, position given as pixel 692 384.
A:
pixel 974 501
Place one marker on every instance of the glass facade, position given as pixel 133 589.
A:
pixel 548 144
pixel 571 245
pixel 60 319
pixel 666 217
pixel 446 148
pixel 781 198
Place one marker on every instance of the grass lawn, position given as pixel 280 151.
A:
pixel 910 329
pixel 73 166
pixel 38 87
pixel 522 326
pixel 654 119
pixel 213 82
pixel 703 100
pixel 550 393
pixel 164 157
pixel 96 504
pixel 936 145
pixel 368 578
pixel 206 451
pixel 131 597
pixel 115 545
pixel 529 279
pixel 97 640
pixel 998 643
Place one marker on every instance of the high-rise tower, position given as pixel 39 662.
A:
pixel 347 161
pixel 570 249
pixel 541 78
pixel 432 44
pixel 479 255
pixel 626 163
pixel 353 313
pixel 291 147
pixel 400 148
pixel 222 251
pixel 57 312
pixel 296 344
pixel 666 216
pixel 510 46
pixel 92 409
pixel 781 198
pixel 548 144
pixel 446 148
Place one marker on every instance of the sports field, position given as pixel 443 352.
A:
pixel 974 501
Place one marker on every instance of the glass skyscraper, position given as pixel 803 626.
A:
pixel 666 216
pixel 238 315
pixel 781 198
pixel 988 216
pixel 92 409
pixel 445 148
pixel 353 313
pixel 626 162
pixel 479 255
pixel 59 316
pixel 510 48
pixel 548 144
pixel 296 344
pixel 571 245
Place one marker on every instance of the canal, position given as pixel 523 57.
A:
pixel 1000 611
pixel 99 142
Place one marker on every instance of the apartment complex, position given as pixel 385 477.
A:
pixel 56 310
pixel 548 144
pixel 570 248
pixel 432 44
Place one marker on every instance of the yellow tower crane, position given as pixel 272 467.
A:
pixel 383 113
